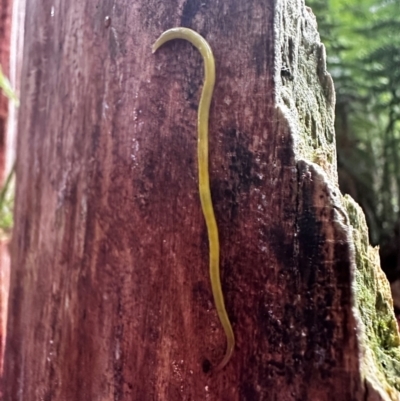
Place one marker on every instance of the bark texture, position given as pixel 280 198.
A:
pixel 110 293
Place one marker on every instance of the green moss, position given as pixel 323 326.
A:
pixel 380 338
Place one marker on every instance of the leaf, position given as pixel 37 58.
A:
pixel 6 88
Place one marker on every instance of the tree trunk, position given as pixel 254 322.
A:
pixel 110 291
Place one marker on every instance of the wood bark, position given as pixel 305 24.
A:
pixel 110 293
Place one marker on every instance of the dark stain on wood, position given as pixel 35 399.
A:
pixel 259 54
pixel 190 9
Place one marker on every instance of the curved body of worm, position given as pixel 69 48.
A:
pixel 204 181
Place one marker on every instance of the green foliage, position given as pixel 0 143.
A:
pixel 362 38
pixel 7 192
pixel 7 205
pixel 6 88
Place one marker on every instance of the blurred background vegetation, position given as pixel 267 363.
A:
pixel 362 40
pixel 7 189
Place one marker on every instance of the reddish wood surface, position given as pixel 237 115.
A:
pixel 110 294
pixel 4 290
